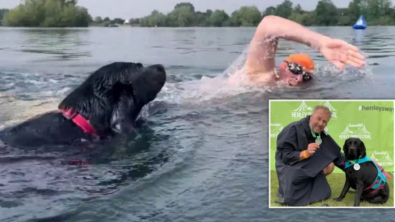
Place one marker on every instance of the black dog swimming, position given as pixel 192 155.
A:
pixel 364 175
pixel 106 104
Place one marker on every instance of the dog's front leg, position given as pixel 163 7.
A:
pixel 344 191
pixel 358 193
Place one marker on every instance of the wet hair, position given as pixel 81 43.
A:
pixel 324 108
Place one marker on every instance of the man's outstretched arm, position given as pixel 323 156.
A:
pixel 263 46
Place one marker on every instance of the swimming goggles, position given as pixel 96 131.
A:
pixel 297 69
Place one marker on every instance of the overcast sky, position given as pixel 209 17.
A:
pixel 127 9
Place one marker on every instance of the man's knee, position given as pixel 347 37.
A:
pixel 329 169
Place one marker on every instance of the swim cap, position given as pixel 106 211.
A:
pixel 302 59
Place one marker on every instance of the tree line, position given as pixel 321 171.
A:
pixel 66 13
pixel 376 12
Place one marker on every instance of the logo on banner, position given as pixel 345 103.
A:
pixel 302 111
pixel 375 108
pixel 275 129
pixel 382 158
pixel 330 107
pixel 355 130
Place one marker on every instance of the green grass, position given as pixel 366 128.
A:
pixel 336 182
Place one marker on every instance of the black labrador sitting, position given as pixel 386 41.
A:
pixel 363 175
pixel 106 104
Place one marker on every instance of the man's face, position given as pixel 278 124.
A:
pixel 287 77
pixel 290 79
pixel 318 121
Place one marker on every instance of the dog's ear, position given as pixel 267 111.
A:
pixel 345 146
pixel 362 149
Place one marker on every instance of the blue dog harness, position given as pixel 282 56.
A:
pixel 380 180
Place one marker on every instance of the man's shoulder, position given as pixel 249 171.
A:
pixel 296 123
pixel 292 126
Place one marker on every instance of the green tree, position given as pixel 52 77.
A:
pixel 344 17
pixel 155 19
pixel 186 5
pixel 181 16
pixel 298 9
pixel 134 21
pixel 48 13
pixel 297 17
pixel 247 16
pixel 326 13
pixel 269 11
pixel 284 9
pixel 118 21
pixel 201 19
pixel 310 19
pixel 218 18
pixel 98 19
pixel 355 9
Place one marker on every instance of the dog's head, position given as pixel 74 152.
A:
pixel 354 148
pixel 148 82
pixel 120 84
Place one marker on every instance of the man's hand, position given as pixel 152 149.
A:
pixel 340 53
pixel 311 148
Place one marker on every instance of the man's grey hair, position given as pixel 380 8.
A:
pixel 324 108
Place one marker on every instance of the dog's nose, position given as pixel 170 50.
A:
pixel 159 73
pixel 160 68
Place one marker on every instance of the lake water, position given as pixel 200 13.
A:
pixel 203 155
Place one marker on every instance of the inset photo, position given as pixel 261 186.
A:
pixel 331 153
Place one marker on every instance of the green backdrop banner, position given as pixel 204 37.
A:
pixel 372 121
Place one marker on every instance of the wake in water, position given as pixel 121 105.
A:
pixel 14 110
pixel 214 89
pixel 326 77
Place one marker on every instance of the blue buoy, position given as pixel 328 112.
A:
pixel 360 24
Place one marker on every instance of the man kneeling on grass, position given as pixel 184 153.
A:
pixel 305 155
